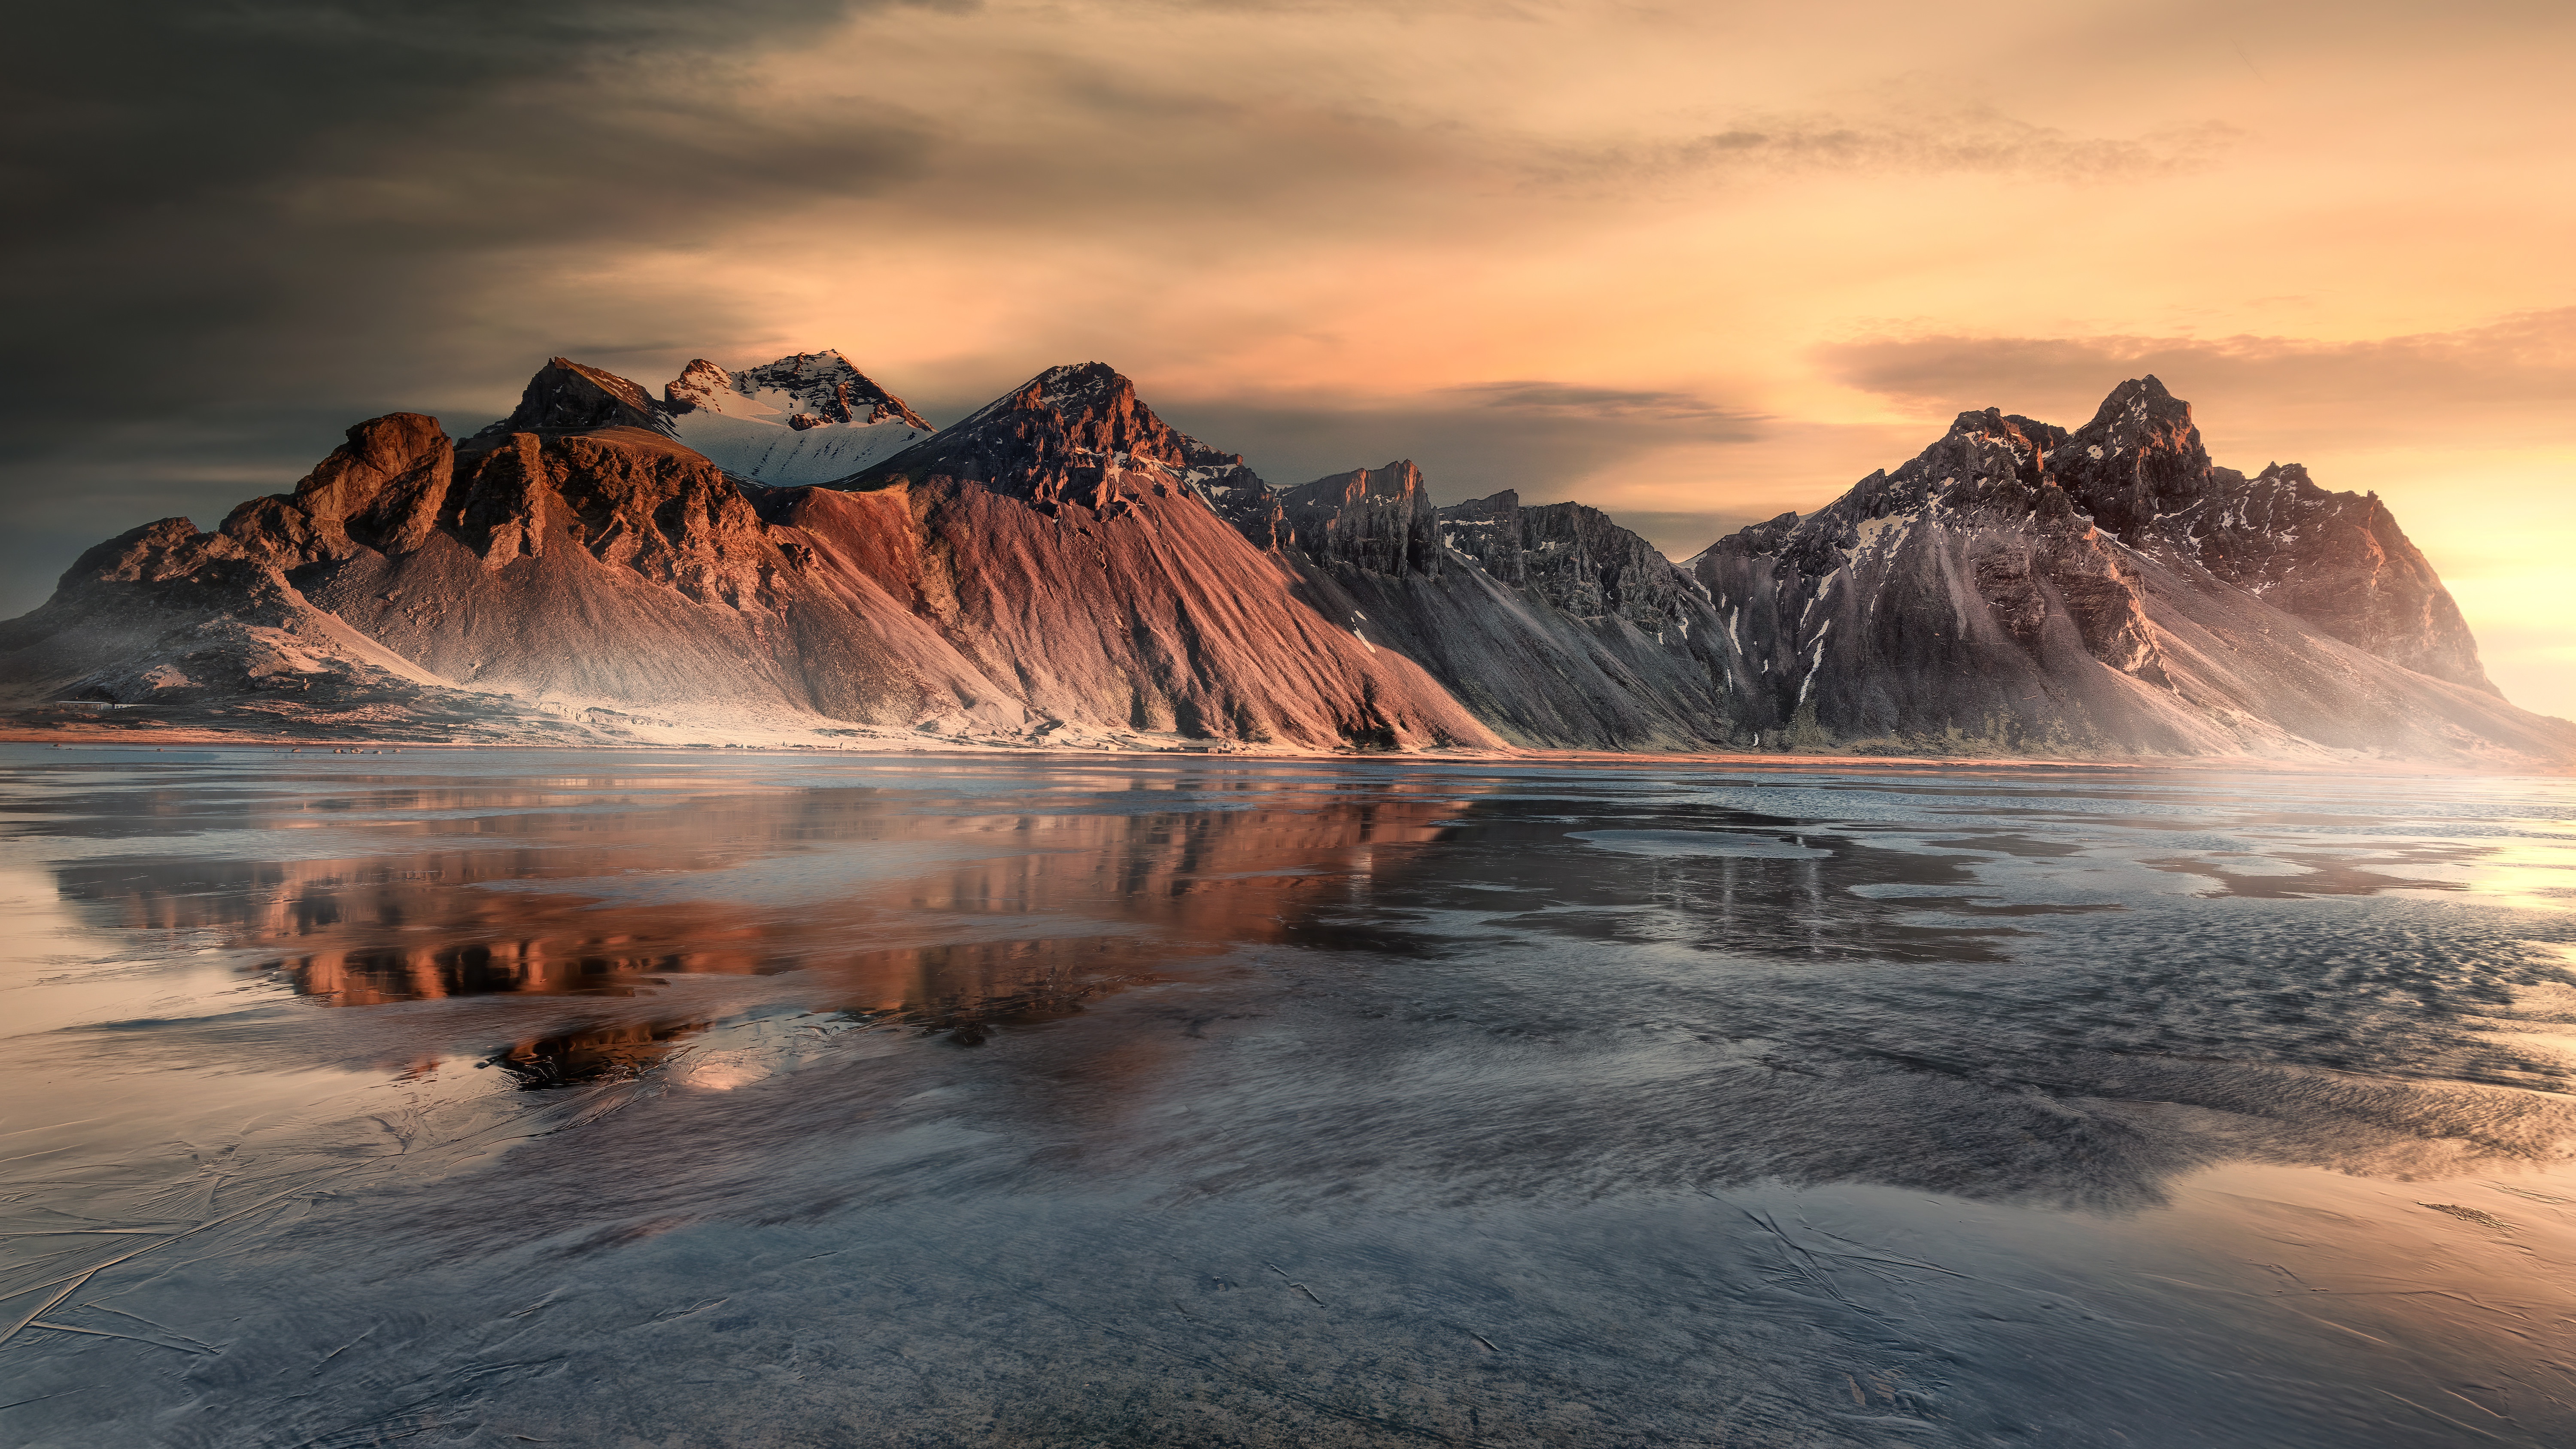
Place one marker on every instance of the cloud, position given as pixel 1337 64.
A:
pixel 2511 376
pixel 1604 404
pixel 247 223
pixel 1973 141
pixel 1540 437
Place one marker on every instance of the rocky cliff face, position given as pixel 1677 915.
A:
pixel 1063 567
pixel 1377 519
pixel 1578 560
pixel 1558 628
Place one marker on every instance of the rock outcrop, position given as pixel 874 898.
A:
pixel 1380 520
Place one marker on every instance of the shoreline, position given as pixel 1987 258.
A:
pixel 159 740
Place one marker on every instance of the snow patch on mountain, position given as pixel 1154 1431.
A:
pixel 805 419
pixel 786 457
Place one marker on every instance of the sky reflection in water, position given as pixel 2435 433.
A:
pixel 1015 1100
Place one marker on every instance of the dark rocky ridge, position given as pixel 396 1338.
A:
pixel 2337 560
pixel 1063 566
pixel 1556 625
pixel 1377 519
pixel 1503 606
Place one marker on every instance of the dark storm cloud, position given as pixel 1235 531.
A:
pixel 242 225
pixel 2508 377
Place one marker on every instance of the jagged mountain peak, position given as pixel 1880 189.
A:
pixel 2143 394
pixel 567 397
pixel 1082 398
pixel 700 384
pixel 804 390
pixel 806 418
pixel 2141 414
pixel 2140 458
pixel 1396 480
pixel 1995 423
pixel 1998 540
pixel 1078 383
pixel 1077 433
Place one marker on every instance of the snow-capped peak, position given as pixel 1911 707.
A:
pixel 1075 383
pixel 806 390
pixel 807 418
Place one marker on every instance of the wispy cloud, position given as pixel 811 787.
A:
pixel 1576 401
pixel 1540 437
pixel 1976 141
pixel 2514 374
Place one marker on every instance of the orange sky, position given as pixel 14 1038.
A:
pixel 1694 264
pixel 1785 242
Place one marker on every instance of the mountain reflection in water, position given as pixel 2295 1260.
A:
pixel 762 883
pixel 1324 1102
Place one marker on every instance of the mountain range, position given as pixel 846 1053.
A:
pixel 789 554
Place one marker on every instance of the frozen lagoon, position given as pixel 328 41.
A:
pixel 628 1099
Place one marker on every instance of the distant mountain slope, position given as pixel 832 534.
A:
pixel 1968 602
pixel 1064 567
pixel 2106 590
pixel 2336 560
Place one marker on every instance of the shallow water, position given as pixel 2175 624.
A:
pixel 501 1097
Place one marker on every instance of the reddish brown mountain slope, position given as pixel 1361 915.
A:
pixel 568 565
